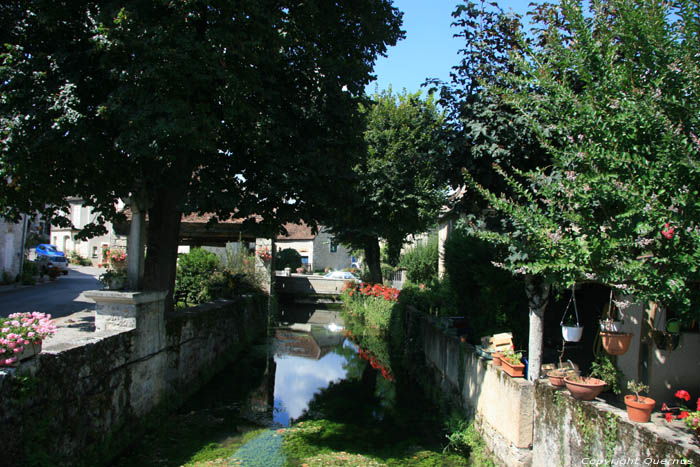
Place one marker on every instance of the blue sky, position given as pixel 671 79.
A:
pixel 429 50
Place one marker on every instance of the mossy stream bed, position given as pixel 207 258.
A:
pixel 311 398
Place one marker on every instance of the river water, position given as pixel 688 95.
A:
pixel 305 391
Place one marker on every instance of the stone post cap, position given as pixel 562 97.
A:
pixel 135 297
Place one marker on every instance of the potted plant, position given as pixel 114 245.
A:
pixel 512 363
pixel 614 342
pixel 604 368
pixel 556 374
pixel 584 388
pixel 638 407
pixel 611 319
pixel 113 279
pixel 496 358
pixel 21 336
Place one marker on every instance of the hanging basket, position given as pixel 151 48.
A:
pixel 615 343
pixel 572 333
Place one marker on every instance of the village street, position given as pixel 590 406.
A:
pixel 61 297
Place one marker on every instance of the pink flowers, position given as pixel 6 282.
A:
pixel 21 329
pixel 682 394
pixel 667 232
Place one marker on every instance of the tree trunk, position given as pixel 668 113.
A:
pixel 537 296
pixel 373 261
pixel 161 244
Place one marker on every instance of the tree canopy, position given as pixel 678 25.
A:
pixel 398 186
pixel 216 106
pixel 613 94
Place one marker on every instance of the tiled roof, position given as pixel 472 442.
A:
pixel 297 232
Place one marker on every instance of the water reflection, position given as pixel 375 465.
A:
pixel 306 363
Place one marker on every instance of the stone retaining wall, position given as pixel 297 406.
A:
pixel 502 406
pixel 81 404
pixel 536 424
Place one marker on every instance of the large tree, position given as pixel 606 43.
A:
pixel 218 106
pixel 488 129
pixel 398 187
pixel 614 95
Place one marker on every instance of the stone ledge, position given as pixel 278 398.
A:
pixel 135 297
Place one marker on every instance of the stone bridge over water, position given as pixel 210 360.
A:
pixel 308 285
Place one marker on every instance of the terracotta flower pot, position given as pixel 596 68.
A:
pixel 556 377
pixel 496 356
pixel 515 371
pixel 585 389
pixel 615 343
pixel 639 410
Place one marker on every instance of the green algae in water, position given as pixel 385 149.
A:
pixel 361 420
pixel 263 451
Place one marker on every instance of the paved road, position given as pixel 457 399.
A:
pixel 61 297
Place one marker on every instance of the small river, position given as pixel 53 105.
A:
pixel 306 395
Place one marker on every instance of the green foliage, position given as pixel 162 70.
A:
pixel 421 261
pixel 435 299
pixel 114 89
pixel 75 258
pixel 613 98
pixel 194 270
pixel 637 387
pixel 287 258
pixel 463 438
pixel 486 129
pixel 375 312
pixel 201 277
pixel 29 272
pixel 6 278
pixel 399 185
pixel 489 297
pixel 604 368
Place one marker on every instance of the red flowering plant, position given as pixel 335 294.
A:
pixel 375 363
pixel 690 417
pixel 373 303
pixel 264 254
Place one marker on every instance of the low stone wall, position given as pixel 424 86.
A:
pixel 81 404
pixel 301 284
pixel 502 406
pixel 537 424
pixel 572 432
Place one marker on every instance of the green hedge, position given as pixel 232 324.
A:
pixel 491 298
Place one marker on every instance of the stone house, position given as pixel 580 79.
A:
pixel 80 216
pixel 12 236
pixel 318 250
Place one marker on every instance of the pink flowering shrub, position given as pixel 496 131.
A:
pixel 21 329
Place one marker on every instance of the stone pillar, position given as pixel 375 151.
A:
pixel 267 269
pixel 144 313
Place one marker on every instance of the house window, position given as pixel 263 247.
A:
pixel 305 260
pixel 334 247
pixel 94 252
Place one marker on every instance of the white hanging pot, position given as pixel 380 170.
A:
pixel 572 333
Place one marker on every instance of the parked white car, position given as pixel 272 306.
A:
pixel 342 275
pixel 47 263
